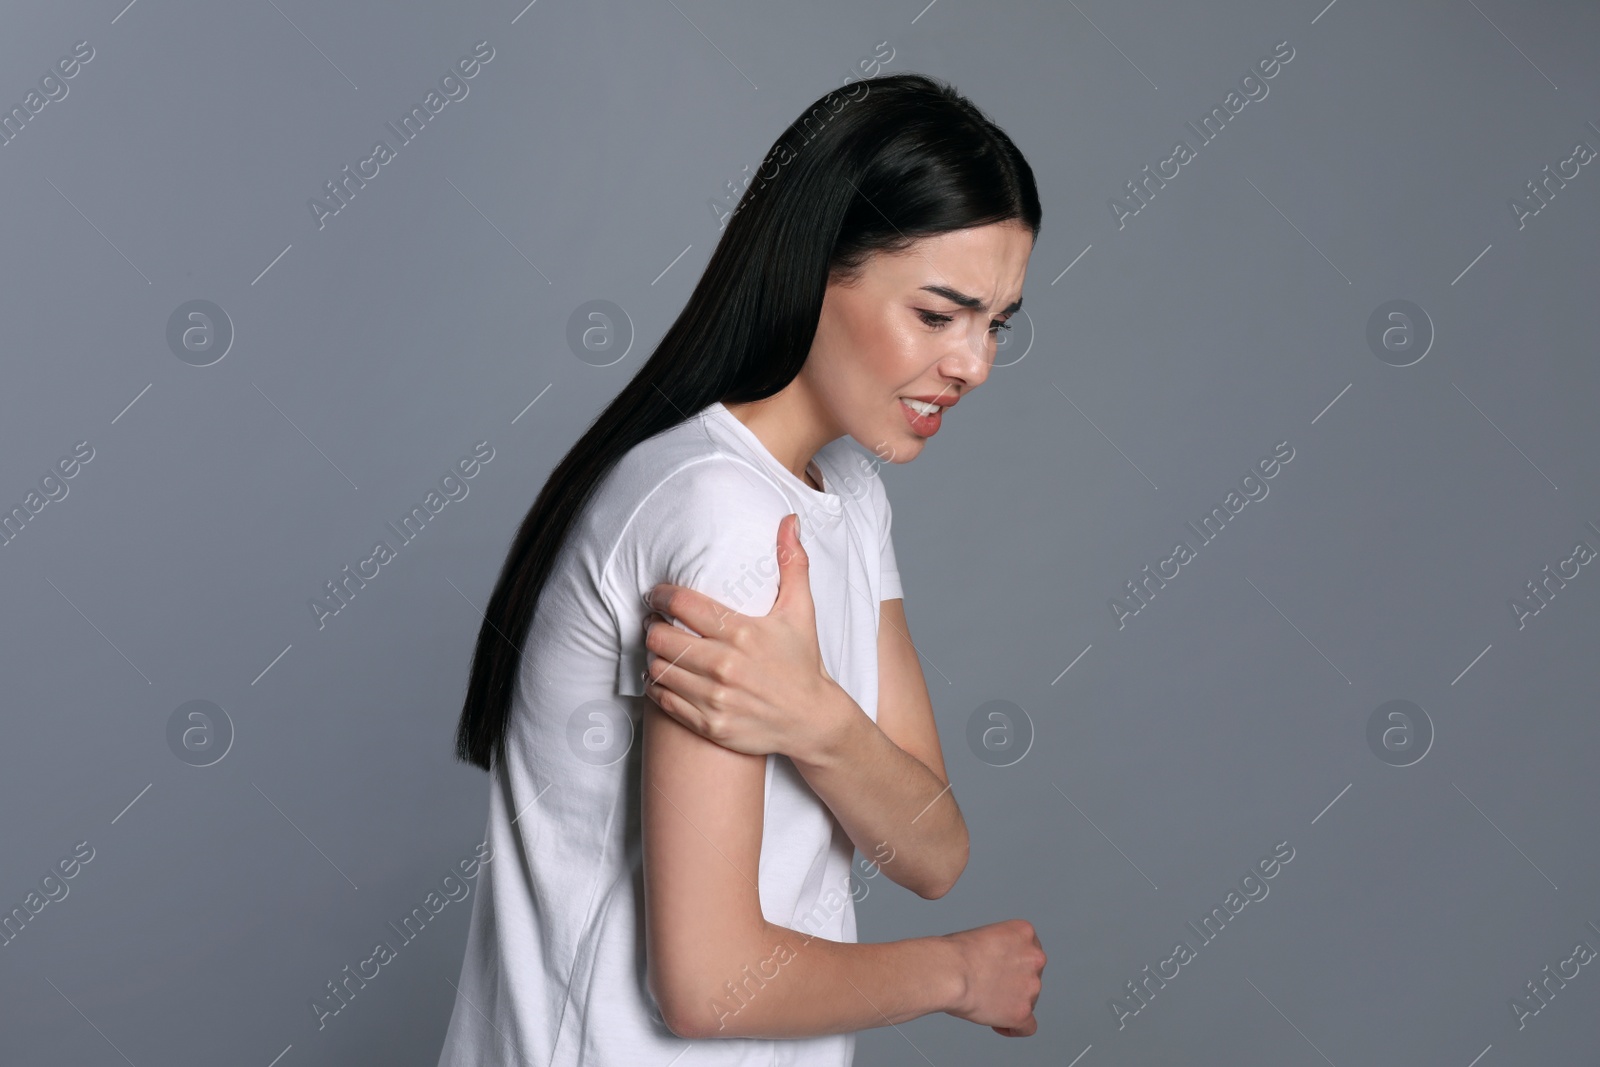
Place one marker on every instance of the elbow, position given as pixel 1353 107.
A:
pixel 672 1000
pixel 692 974
pixel 696 1018
pixel 952 874
pixel 937 890
pixel 680 1025
pixel 684 1006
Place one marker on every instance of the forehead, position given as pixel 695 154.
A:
pixel 985 261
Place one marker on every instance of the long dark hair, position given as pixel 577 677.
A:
pixel 866 169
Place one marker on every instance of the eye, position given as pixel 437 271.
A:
pixel 938 321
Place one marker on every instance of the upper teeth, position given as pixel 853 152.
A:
pixel 922 408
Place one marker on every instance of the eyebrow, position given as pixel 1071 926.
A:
pixel 958 297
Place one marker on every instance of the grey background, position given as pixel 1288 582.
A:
pixel 1228 315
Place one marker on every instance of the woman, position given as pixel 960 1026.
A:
pixel 677 793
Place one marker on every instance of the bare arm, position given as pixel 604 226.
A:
pixel 885 782
pixel 715 966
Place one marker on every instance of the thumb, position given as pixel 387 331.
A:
pixel 794 566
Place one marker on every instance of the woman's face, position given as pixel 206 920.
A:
pixel 921 324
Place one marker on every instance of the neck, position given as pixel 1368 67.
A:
pixel 790 424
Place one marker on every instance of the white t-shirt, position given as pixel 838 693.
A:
pixel 554 972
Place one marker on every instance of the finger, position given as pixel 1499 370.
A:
pixel 688 687
pixel 680 648
pixel 794 565
pixel 703 614
pixel 1027 1029
pixel 674 705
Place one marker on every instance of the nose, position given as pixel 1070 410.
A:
pixel 973 359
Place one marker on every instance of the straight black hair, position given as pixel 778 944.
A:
pixel 866 169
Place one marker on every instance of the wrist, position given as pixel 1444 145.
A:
pixel 838 720
pixel 955 982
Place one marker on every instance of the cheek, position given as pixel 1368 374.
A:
pixel 871 351
pixel 898 353
pixel 869 357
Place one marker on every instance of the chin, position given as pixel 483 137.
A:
pixel 903 447
pixel 897 446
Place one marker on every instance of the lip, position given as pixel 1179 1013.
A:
pixel 944 400
pixel 923 425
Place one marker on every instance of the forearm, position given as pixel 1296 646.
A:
pixel 798 985
pixel 895 810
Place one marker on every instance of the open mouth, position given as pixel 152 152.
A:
pixel 923 417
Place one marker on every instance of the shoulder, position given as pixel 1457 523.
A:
pixel 692 519
pixel 706 492
pixel 671 478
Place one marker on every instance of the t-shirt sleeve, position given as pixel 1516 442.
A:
pixel 888 569
pixel 711 526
